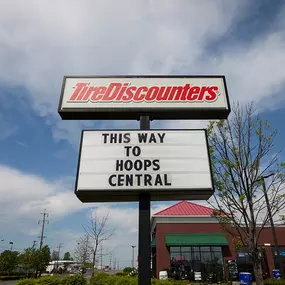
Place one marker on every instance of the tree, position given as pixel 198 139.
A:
pixel 54 255
pixel 242 152
pixel 26 259
pixel 43 258
pixel 35 260
pixel 8 261
pixel 98 232
pixel 67 256
pixel 83 250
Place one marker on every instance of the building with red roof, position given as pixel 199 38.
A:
pixel 188 235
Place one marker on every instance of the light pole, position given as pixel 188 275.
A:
pixel 262 178
pixel 59 247
pixel 133 258
pixel 11 245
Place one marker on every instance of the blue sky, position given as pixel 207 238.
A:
pixel 40 42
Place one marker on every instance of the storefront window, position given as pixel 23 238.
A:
pixel 197 258
pixel 205 248
pixel 174 249
pixel 196 253
pixel 206 257
pixel 217 257
pixel 282 256
pixel 216 248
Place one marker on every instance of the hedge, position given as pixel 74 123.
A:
pixel 106 279
pixel 74 280
pixel 98 279
pixel 274 281
pixel 27 282
pixel 54 280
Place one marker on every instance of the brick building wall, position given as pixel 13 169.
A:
pixel 229 253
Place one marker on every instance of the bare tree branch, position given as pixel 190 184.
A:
pixel 98 232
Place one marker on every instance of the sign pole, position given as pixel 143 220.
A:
pixel 144 274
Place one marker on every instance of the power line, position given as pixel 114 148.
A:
pixel 43 221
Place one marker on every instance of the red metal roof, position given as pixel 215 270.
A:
pixel 185 208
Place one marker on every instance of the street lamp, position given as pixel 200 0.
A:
pixel 11 245
pixel 133 259
pixel 262 178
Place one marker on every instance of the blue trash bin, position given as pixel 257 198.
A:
pixel 245 278
pixel 276 273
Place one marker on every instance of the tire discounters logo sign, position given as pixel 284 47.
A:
pixel 129 97
pixel 117 165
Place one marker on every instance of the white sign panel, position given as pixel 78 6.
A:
pixel 176 97
pixel 170 164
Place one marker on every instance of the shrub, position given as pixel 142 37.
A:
pixel 128 269
pixel 169 282
pixel 121 274
pixel 125 280
pixel 29 281
pixel 45 280
pixel 105 279
pixel 272 281
pixel 74 280
pixel 100 278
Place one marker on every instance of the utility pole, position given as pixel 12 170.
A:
pixel 110 260
pixel 133 256
pixel 43 221
pixel 114 264
pixel 86 249
pixel 34 244
pixel 59 247
pixel 118 265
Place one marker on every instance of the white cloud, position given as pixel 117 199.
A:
pixel 255 70
pixel 24 196
pixel 43 41
pixel 123 218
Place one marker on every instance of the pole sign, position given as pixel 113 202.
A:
pixel 129 97
pixel 118 165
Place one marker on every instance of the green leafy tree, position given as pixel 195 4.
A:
pixel 242 154
pixel 67 256
pixel 43 258
pixel 35 260
pixel 27 259
pixel 8 261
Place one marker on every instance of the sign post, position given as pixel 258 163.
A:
pixel 144 165
pixel 144 273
